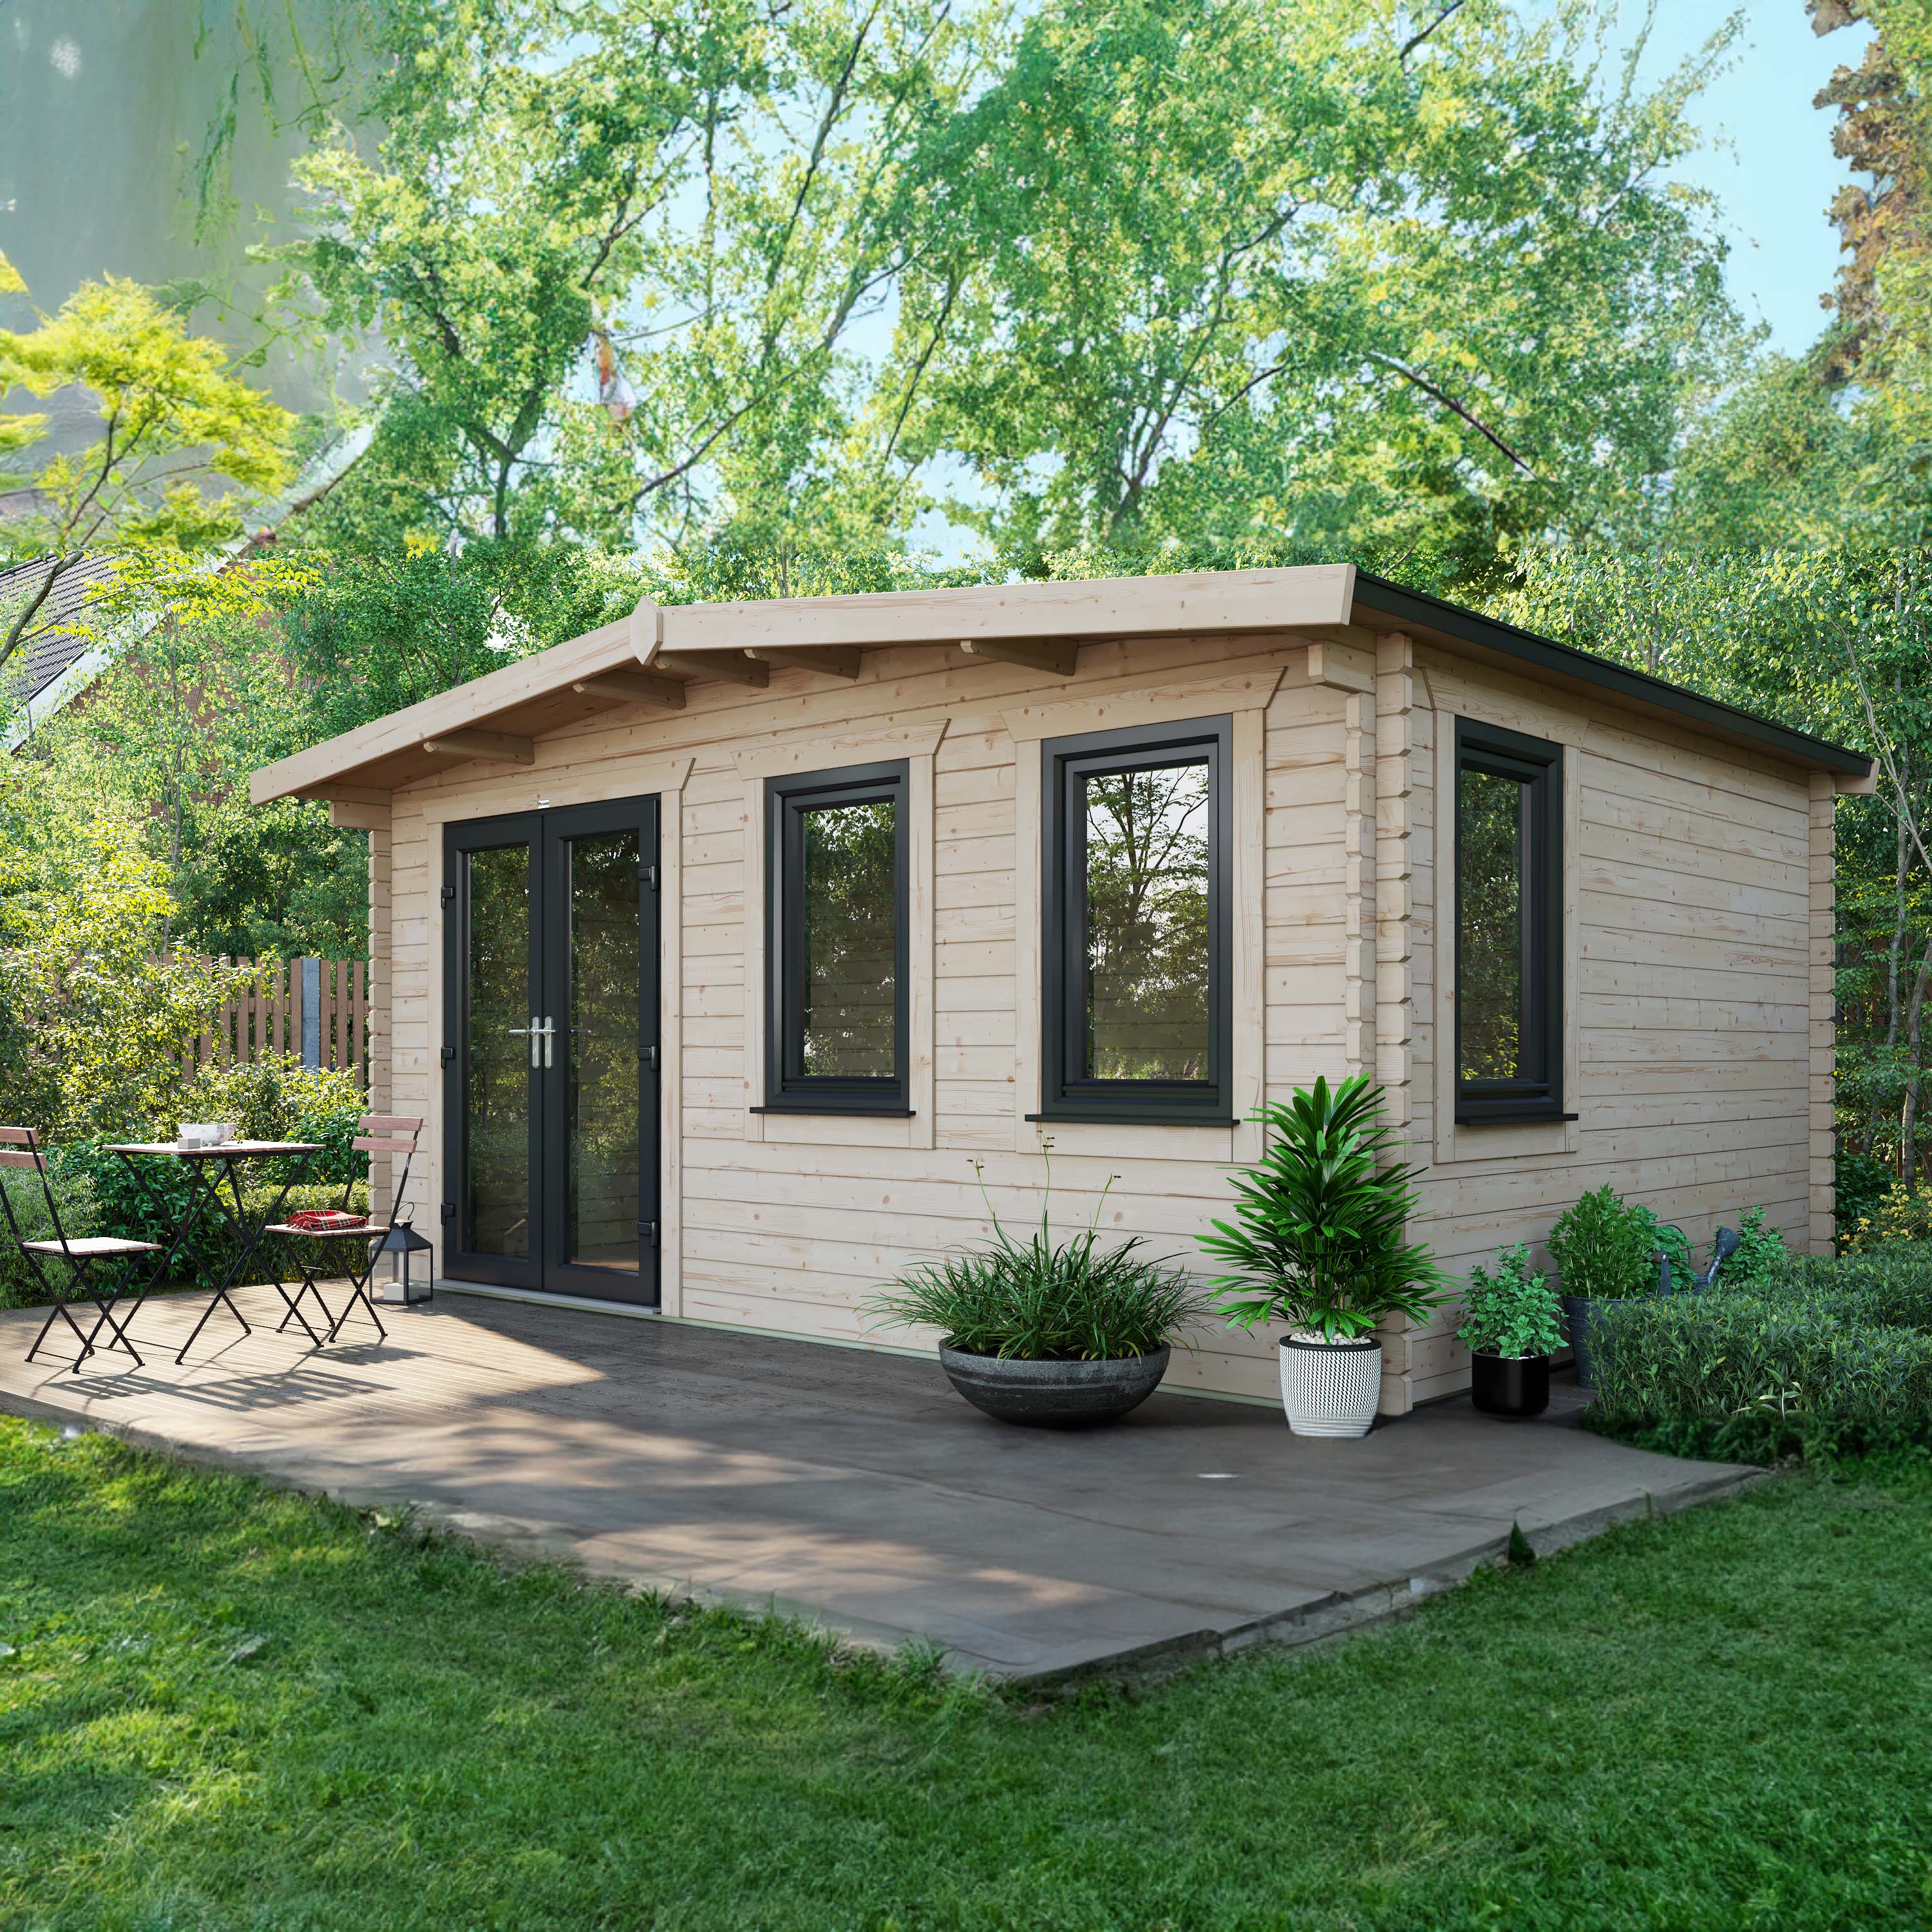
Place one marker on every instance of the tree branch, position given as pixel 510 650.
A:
pixel 1449 402
pixel 1414 41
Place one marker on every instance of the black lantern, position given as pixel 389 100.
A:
pixel 399 1244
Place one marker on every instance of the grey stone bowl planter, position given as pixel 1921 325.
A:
pixel 1054 1395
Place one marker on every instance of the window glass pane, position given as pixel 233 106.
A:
pixel 497 1118
pixel 1147 835
pixel 604 919
pixel 849 1001
pixel 1489 900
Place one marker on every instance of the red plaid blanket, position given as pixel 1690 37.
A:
pixel 318 1220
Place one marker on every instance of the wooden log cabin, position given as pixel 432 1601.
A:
pixel 732 950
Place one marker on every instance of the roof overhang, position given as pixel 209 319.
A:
pixel 643 664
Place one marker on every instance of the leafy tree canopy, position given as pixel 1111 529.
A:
pixel 1172 268
pixel 176 425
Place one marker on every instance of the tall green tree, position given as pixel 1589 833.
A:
pixel 618 254
pixel 1352 274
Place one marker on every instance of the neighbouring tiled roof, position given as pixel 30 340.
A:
pixel 48 649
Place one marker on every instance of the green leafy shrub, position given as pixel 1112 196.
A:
pixel 96 1011
pixel 1818 1357
pixel 1512 1313
pixel 276 1098
pixel 1045 1299
pixel 1900 1213
pixel 1605 1248
pixel 1318 1239
pixel 1861 1183
pixel 1760 1254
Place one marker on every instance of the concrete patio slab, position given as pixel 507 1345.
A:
pixel 857 1490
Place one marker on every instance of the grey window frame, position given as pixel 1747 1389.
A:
pixel 788 1088
pixel 1066 1093
pixel 1538 764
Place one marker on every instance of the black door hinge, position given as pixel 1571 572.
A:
pixel 647 1230
pixel 449 1210
pixel 649 1055
pixel 449 895
pixel 649 874
pixel 449 1055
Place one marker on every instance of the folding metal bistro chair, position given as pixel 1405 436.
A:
pixel 20 1147
pixel 376 1134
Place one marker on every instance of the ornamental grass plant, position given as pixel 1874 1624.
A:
pixel 1046 1298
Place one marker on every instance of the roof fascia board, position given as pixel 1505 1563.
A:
pixel 468 705
pixel 1375 598
pixel 1108 607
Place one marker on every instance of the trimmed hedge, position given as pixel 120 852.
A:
pixel 1823 1357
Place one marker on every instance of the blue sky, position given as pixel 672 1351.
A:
pixel 1770 164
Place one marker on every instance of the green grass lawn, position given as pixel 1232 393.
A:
pixel 224 1707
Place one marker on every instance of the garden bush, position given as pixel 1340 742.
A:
pixel 1605 1248
pixel 1818 1357
pixel 1898 1213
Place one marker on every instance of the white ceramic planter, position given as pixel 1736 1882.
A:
pixel 1330 1388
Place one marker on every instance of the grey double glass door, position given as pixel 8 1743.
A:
pixel 550 1052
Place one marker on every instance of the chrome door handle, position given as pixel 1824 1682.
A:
pixel 549 1033
pixel 533 1032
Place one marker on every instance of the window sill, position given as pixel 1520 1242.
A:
pixel 1522 1117
pixel 835 1113
pixel 1121 1119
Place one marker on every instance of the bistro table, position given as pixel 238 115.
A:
pixel 209 1168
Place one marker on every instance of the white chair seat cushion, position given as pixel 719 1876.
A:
pixel 94 1247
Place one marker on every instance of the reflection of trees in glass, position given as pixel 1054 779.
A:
pixel 496 1214
pixel 851 963
pixel 603 1050
pixel 1146 924
pixel 1489 901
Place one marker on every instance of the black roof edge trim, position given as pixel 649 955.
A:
pixel 1417 607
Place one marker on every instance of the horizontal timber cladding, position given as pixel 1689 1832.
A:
pixel 1687 966
pixel 1688 958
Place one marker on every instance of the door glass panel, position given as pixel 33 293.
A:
pixel 1147 919
pixel 604 911
pixel 850 1024
pixel 496 1118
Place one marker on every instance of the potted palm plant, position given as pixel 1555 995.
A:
pixel 1510 1328
pixel 1317 1241
pixel 1057 1333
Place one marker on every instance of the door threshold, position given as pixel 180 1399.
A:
pixel 592 1304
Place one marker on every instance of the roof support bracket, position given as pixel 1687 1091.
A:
pixel 499 745
pixel 633 687
pixel 834 660
pixel 1041 654
pixel 734 669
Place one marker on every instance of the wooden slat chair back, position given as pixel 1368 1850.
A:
pixel 376 1135
pixel 21 1147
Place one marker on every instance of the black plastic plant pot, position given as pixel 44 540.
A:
pixel 1516 1386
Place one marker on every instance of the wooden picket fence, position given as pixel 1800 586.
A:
pixel 264 1015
